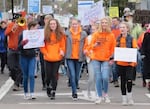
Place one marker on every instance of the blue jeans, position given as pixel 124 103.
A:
pixel 101 70
pixel 91 80
pixel 139 63
pixel 114 72
pixel 28 68
pixel 74 67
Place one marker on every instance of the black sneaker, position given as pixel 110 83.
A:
pixel 78 87
pixel 116 84
pixel 16 88
pixel 49 92
pixel 75 97
pixel 44 88
pixel 53 95
pixel 2 72
pixel 69 83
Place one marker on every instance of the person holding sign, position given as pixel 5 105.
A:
pixel 27 61
pixel 125 69
pixel 53 52
pixel 102 46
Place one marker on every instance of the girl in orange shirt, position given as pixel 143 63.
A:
pixel 53 53
pixel 102 46
pixel 125 69
pixel 74 54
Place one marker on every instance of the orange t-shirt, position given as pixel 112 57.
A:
pixel 116 32
pixel 75 43
pixel 75 46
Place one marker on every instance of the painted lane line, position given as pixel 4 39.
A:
pixel 5 87
pixel 45 95
pixel 148 95
pixel 56 103
pixel 78 103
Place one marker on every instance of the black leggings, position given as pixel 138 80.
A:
pixel 51 70
pixel 42 70
pixel 3 57
pixel 126 77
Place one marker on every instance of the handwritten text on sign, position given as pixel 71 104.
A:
pixel 35 37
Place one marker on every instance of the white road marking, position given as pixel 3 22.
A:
pixel 56 103
pixel 79 103
pixel 44 94
pixel 82 96
pixel 148 95
pixel 5 88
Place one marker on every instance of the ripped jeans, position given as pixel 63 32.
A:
pixel 101 71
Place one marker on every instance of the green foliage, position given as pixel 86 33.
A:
pixel 65 6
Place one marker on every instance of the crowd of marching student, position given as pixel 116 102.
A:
pixel 74 46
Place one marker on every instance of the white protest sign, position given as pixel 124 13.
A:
pixel 125 54
pixel 95 13
pixel 35 38
pixel 83 6
pixel 47 9
pixel 63 20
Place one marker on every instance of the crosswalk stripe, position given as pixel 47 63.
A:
pixel 81 95
pixel 5 88
pixel 79 103
pixel 148 95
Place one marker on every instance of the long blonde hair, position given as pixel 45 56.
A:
pixel 108 29
pixel 47 31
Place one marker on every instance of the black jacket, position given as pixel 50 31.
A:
pixel 25 52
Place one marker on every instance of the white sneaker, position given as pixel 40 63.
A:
pixel 26 96
pixel 89 94
pixel 130 102
pixel 124 100
pixel 107 99
pixel 130 99
pixel 32 96
pixel 98 100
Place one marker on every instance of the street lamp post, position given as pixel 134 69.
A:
pixel 12 6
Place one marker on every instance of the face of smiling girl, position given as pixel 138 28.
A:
pixel 123 29
pixel 53 25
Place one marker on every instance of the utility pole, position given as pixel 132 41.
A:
pixel 12 6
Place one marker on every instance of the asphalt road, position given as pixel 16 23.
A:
pixel 63 99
